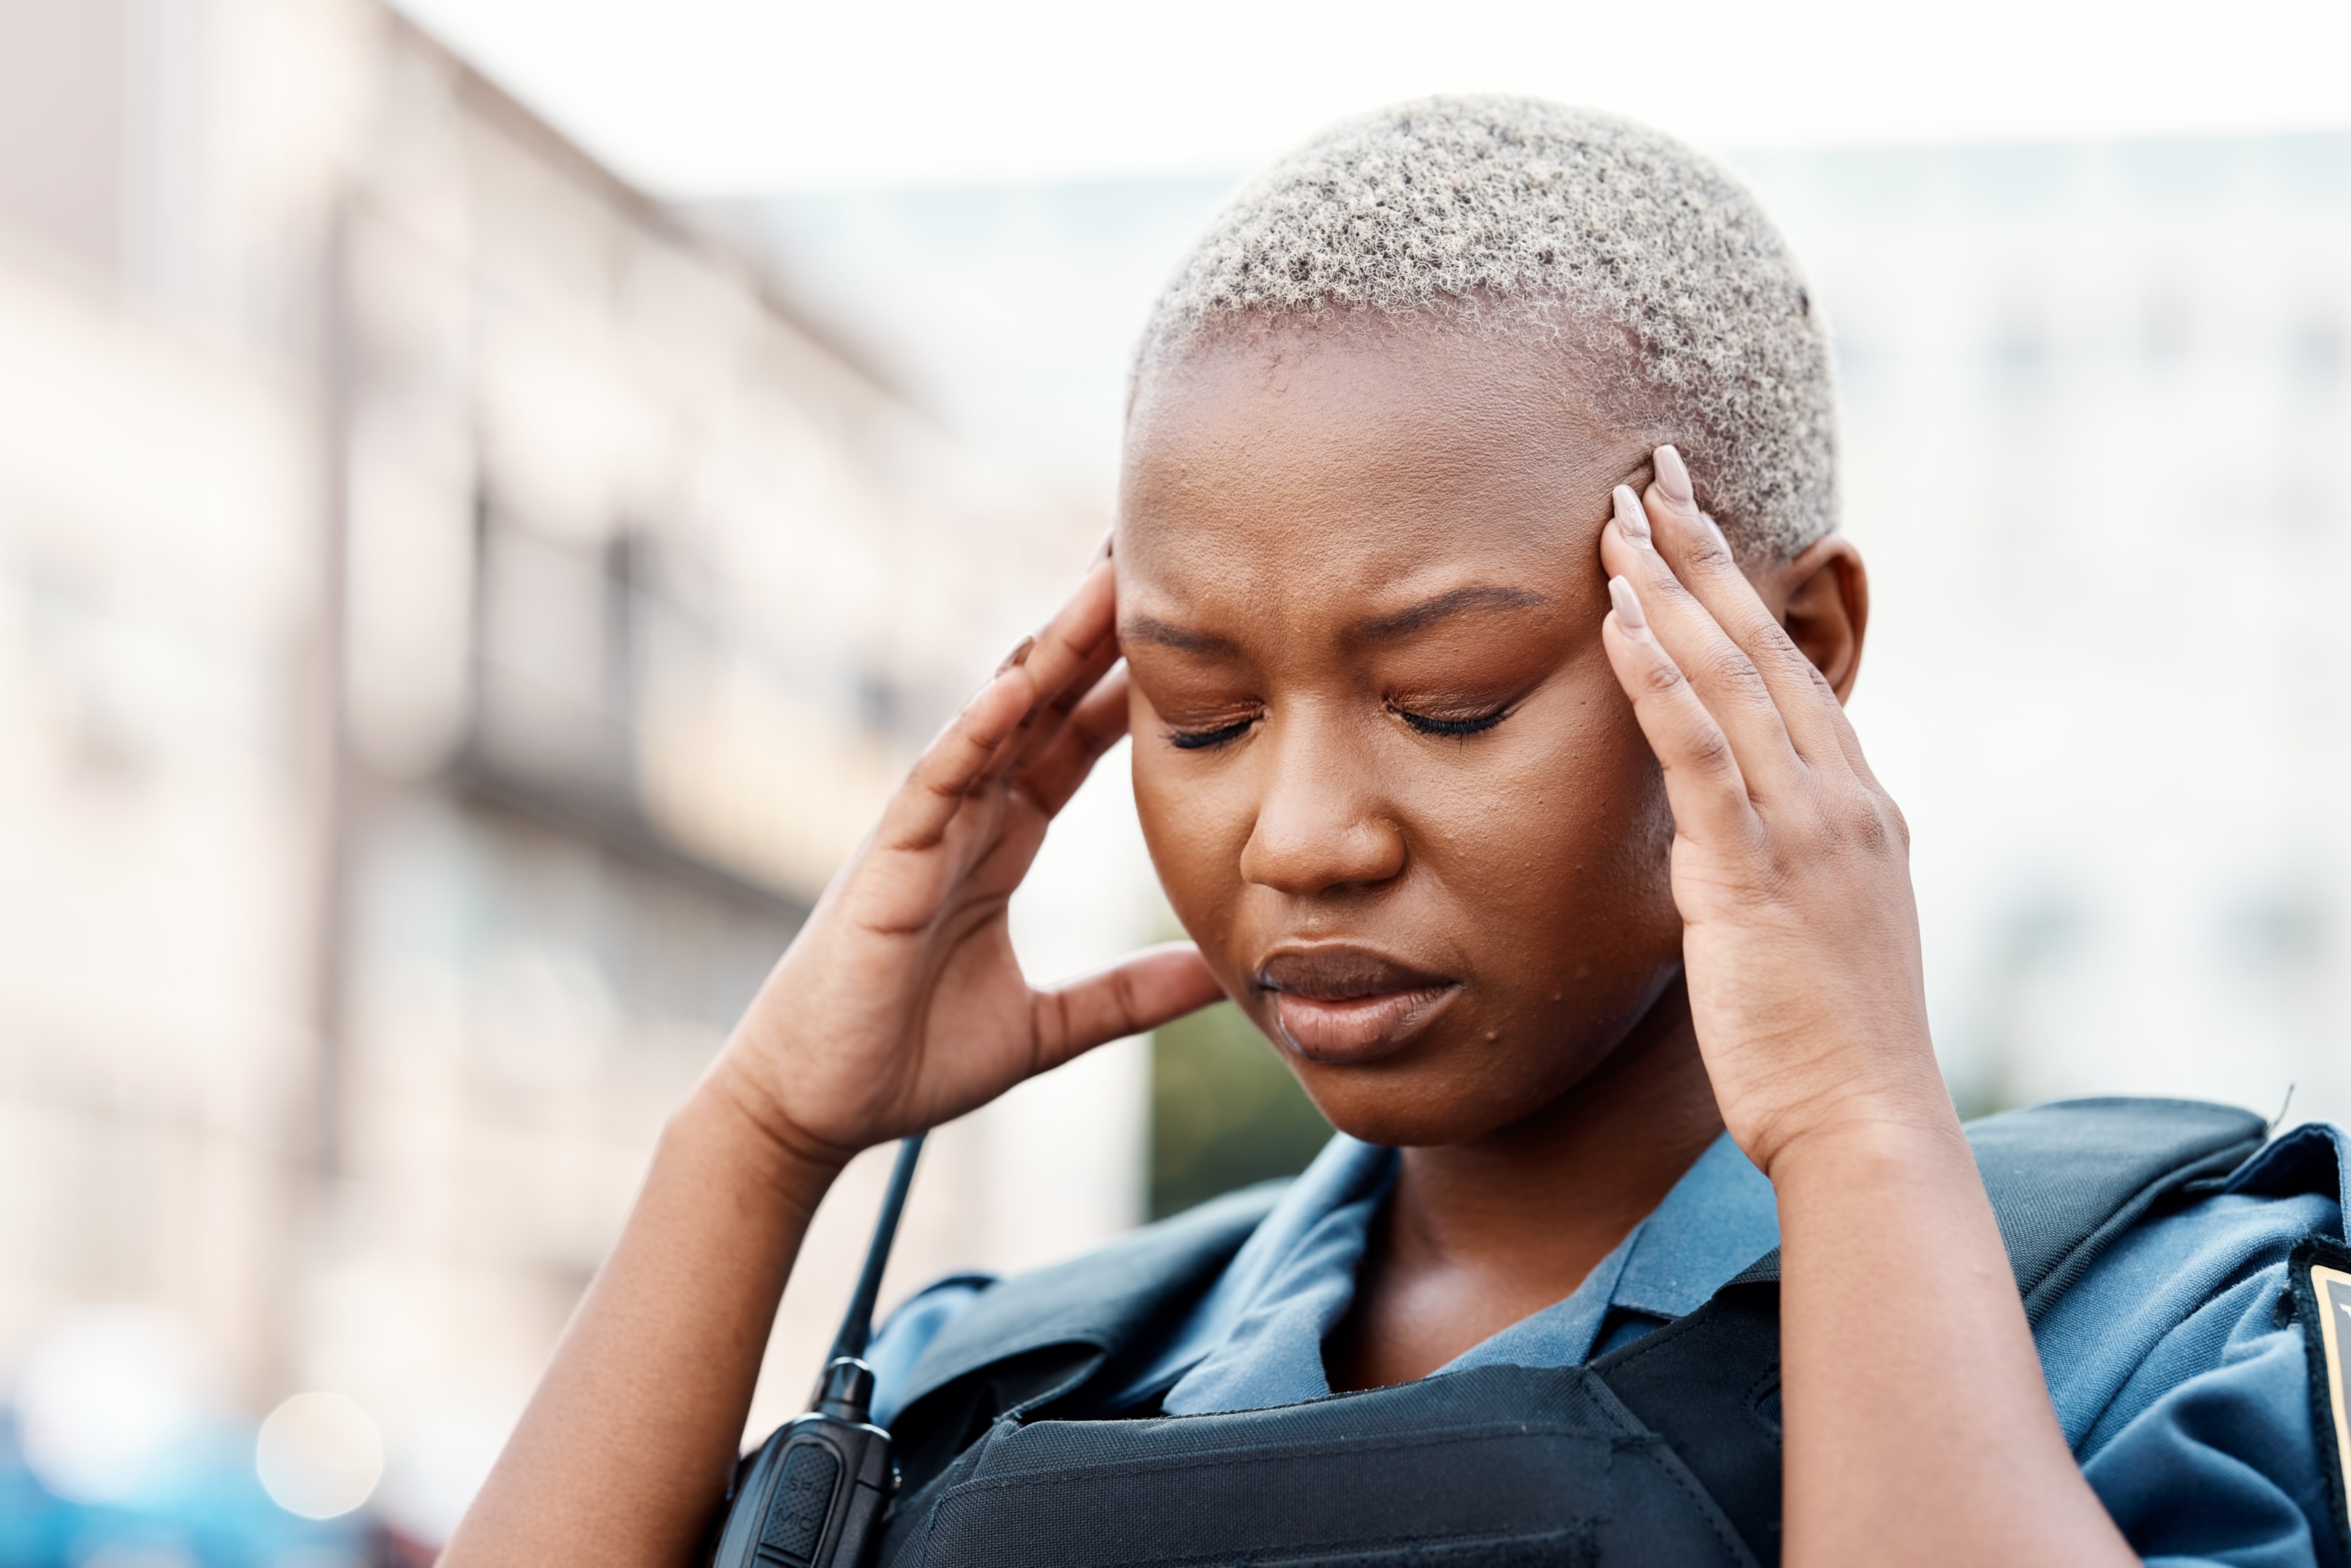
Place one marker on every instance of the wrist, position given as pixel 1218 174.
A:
pixel 724 1117
pixel 1860 1120
pixel 1863 1136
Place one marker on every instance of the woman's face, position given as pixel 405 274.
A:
pixel 1388 781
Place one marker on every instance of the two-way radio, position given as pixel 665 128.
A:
pixel 813 1493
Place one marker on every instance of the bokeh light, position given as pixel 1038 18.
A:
pixel 320 1455
pixel 104 1399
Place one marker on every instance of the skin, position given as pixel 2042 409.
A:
pixel 1327 550
pixel 1551 956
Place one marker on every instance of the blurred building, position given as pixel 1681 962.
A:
pixel 453 617
pixel 2096 400
pixel 455 611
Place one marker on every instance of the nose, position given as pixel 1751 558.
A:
pixel 1320 827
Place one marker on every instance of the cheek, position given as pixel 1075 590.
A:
pixel 1194 830
pixel 1577 803
pixel 1617 810
pixel 1558 856
pixel 1623 831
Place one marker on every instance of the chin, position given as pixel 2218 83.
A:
pixel 1424 1106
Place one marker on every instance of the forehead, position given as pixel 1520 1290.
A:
pixel 1312 460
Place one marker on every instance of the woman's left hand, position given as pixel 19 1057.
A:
pixel 1923 1435
pixel 1791 862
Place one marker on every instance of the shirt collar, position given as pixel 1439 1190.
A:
pixel 1719 1218
pixel 1256 1339
pixel 1303 1257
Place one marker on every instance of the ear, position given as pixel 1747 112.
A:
pixel 1823 601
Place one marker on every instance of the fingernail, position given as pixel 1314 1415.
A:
pixel 1627 603
pixel 1019 654
pixel 1630 516
pixel 1673 475
pixel 1109 536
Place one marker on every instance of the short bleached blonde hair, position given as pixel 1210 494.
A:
pixel 1512 214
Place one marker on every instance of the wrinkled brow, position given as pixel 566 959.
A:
pixel 1403 622
pixel 1461 602
pixel 1168 634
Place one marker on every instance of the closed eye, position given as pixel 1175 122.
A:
pixel 1202 739
pixel 1450 726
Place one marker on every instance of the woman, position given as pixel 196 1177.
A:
pixel 1510 794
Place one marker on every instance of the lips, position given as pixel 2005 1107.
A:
pixel 1342 1004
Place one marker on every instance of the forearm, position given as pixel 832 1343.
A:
pixel 900 1006
pixel 1918 1427
pixel 625 1448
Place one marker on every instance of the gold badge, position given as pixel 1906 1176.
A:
pixel 2330 1290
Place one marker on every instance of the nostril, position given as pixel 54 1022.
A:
pixel 1303 861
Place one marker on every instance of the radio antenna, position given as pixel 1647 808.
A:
pixel 815 1491
pixel 857 1328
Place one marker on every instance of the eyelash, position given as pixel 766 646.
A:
pixel 1205 739
pixel 1450 728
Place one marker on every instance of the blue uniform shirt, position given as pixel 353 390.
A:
pixel 2175 1363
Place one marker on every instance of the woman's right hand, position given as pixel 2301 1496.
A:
pixel 899 1004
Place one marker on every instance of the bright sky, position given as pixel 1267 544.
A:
pixel 731 97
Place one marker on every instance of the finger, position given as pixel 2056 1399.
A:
pixel 1045 725
pixel 1076 633
pixel 1692 543
pixel 1841 733
pixel 1704 783
pixel 989 729
pixel 1093 728
pixel 951 766
pixel 1072 649
pixel 1720 672
pixel 1849 740
pixel 1138 993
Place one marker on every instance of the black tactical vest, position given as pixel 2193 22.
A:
pixel 1665 1452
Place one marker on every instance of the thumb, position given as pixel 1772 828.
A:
pixel 1137 993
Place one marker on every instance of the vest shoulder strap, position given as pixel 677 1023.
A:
pixel 2066 1178
pixel 1092 1306
pixel 2064 1181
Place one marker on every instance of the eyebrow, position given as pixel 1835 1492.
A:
pixel 1150 629
pixel 1461 602
pixel 1139 628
